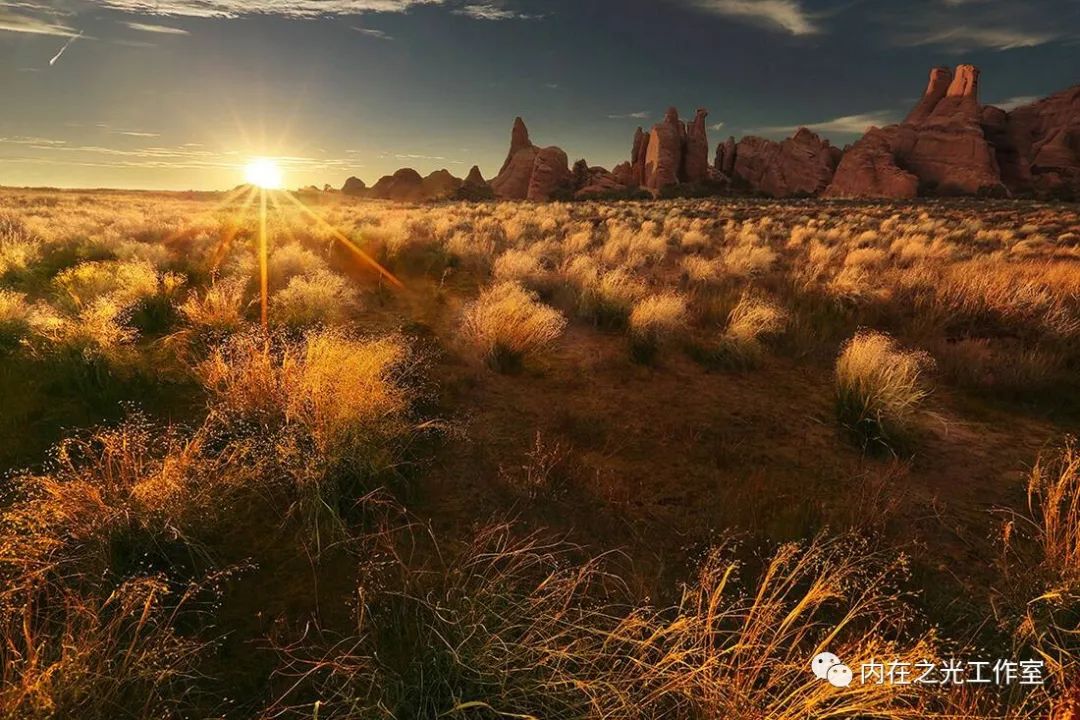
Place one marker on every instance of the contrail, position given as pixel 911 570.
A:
pixel 72 39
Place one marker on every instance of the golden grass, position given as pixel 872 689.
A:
pixel 506 324
pixel 879 387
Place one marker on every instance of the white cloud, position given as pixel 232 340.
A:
pixel 963 38
pixel 160 29
pixel 717 126
pixel 1015 102
pixel 783 15
pixel 238 8
pixel 372 32
pixel 490 11
pixel 849 124
pixel 640 115
pixel 12 21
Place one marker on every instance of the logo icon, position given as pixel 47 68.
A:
pixel 827 666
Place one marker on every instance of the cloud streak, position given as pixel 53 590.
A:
pixel 491 12
pixel 11 21
pixel 786 16
pixel 159 29
pixel 964 38
pixel 847 124
pixel 303 9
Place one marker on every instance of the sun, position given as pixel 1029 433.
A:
pixel 264 173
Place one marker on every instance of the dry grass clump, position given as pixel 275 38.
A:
pixel 219 309
pixel 701 271
pixel 610 299
pixel 748 259
pixel 753 319
pixel 879 387
pixel 507 324
pixel 291 260
pixel 519 266
pixel 519 628
pixel 330 412
pixel 15 315
pixel 322 298
pixel 656 321
pixel 1038 595
pixel 100 659
pixel 344 393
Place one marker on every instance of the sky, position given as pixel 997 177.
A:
pixel 181 94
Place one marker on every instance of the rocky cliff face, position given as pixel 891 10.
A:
pixel 801 166
pixel 951 145
pixel 673 152
pixel 531 173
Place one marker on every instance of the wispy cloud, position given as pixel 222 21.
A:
pixel 639 115
pixel 717 126
pixel 160 29
pixel 491 11
pixel 963 38
pixel 787 16
pixel 238 8
pixel 1015 102
pixel 847 124
pixel 38 24
pixel 372 32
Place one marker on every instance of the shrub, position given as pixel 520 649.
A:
pixel 611 298
pixel 218 310
pixel 507 324
pixel 749 322
pixel 518 266
pixel 655 321
pixel 747 259
pixel 700 271
pixel 879 387
pixel 15 315
pixel 324 298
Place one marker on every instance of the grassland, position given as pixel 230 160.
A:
pixel 623 460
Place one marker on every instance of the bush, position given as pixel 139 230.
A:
pixel 655 321
pixel 879 387
pixel 15 315
pixel 507 324
pixel 217 311
pixel 324 298
pixel 610 299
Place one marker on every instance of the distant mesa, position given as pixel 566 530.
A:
pixel 949 144
pixel 406 185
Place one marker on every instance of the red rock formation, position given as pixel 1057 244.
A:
pixel 940 79
pixel 591 182
pixel 529 172
pixel 664 153
pixel 440 185
pixel 474 188
pixel 695 166
pixel 1038 145
pixel 550 177
pixel 405 185
pixel 802 165
pixel 942 144
pixel 725 156
pixel 512 182
pixel 354 186
pixel 637 157
pixel 868 169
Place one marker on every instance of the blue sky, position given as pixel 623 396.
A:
pixel 181 93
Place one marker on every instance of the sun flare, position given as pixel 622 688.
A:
pixel 264 173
